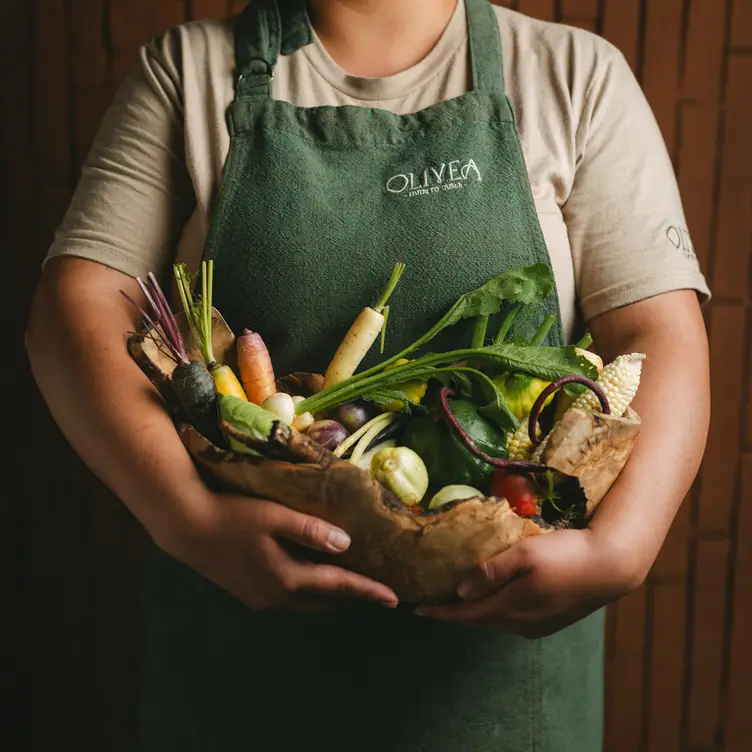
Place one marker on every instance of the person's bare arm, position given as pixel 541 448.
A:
pixel 674 404
pixel 545 583
pixel 115 420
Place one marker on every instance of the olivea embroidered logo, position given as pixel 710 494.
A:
pixel 447 176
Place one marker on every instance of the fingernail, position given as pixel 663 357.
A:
pixel 338 540
pixel 389 604
pixel 465 590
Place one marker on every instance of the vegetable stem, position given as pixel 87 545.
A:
pixel 543 330
pixel 479 333
pixel 511 356
pixel 375 429
pixel 186 297
pixel 207 284
pixel 585 342
pixel 399 268
pixel 383 329
pixel 383 418
pixel 538 283
pixel 506 325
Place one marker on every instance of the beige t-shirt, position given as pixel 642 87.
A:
pixel 603 183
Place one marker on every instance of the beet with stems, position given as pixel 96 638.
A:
pixel 191 382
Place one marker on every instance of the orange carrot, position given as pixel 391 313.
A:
pixel 255 366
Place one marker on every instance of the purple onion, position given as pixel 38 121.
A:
pixel 352 416
pixel 328 433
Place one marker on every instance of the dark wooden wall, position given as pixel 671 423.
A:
pixel 680 651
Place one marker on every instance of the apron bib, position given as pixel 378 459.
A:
pixel 315 208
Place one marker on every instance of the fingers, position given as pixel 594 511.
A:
pixel 340 583
pixel 310 532
pixel 496 573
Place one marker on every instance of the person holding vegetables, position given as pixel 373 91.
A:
pixel 305 147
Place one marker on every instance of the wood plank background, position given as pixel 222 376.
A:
pixel 680 653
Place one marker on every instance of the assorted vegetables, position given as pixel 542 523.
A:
pixel 435 428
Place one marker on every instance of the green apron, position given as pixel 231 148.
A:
pixel 315 208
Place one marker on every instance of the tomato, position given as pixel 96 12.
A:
pixel 517 490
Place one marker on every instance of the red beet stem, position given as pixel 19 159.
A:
pixel 555 386
pixel 444 394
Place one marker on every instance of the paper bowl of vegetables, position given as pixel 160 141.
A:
pixel 432 463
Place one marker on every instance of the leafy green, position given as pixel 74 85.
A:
pixel 496 410
pixel 247 418
pixel 383 397
pixel 484 435
pixel 455 379
pixel 523 286
pixel 447 459
pixel 544 362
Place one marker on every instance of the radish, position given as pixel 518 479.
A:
pixel 362 334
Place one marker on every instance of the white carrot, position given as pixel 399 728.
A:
pixel 361 335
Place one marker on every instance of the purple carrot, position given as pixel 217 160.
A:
pixel 444 394
pixel 553 387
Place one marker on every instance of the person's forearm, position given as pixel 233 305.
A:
pixel 673 402
pixel 102 402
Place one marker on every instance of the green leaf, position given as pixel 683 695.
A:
pixel 485 436
pixel 447 459
pixel 498 412
pixel 524 286
pixel 548 363
pixel 455 380
pixel 248 419
pixel 384 397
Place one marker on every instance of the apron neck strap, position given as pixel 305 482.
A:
pixel 268 28
pixel 485 47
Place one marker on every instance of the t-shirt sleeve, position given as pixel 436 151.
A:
pixel 134 194
pixel 624 214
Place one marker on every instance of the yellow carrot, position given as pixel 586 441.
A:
pixel 255 366
pixel 361 335
pixel 226 381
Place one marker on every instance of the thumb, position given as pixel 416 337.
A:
pixel 313 532
pixel 495 573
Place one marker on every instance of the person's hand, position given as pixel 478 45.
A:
pixel 244 545
pixel 542 584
